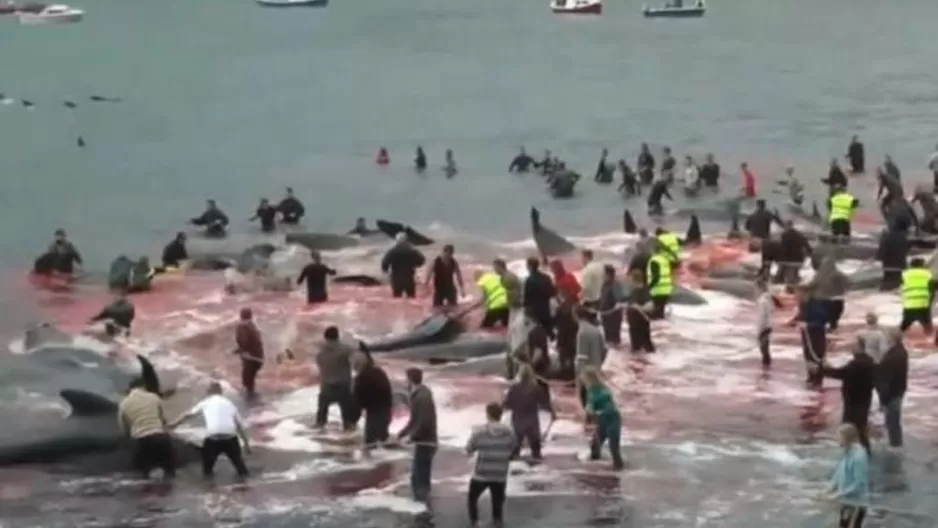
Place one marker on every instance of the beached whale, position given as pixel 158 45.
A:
pixel 89 438
pixel 459 350
pixel 392 229
pixel 436 329
pixel 679 295
pixel 741 288
pixel 322 241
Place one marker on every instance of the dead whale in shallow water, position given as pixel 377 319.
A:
pixel 680 295
pixel 462 349
pixel 358 280
pixel 741 288
pixel 549 243
pixel 392 229
pixel 322 241
pixel 438 328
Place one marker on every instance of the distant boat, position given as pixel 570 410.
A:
pixel 696 10
pixel 53 14
pixel 293 3
pixel 577 7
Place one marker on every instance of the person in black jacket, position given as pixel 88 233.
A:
pixel 759 223
pixel 267 214
pixel 835 177
pixel 645 166
pixel 856 155
pixel 174 254
pixel 892 378
pixel 793 249
pixel 401 262
pixel 856 388
pixel 710 173
pixel 291 208
pixel 538 291
pixel 314 275
pixel 373 396
pixel 892 253
pixel 636 314
pixel 213 219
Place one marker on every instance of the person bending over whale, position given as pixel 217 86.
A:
pixel 214 220
pixel 291 209
pixel 141 418
pixel 494 299
pixel 373 395
pixel 402 262
pixel 522 162
pixel 175 253
pixel 141 275
pixel 117 316
pixel 926 200
pixel 659 190
pixel 267 214
pixel 61 257
pixel 314 275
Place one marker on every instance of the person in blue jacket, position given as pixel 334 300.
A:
pixel 850 485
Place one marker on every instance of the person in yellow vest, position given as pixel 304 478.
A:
pixel 841 205
pixel 660 280
pixel 918 290
pixel 494 299
pixel 669 245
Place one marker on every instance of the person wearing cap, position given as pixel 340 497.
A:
pixel 314 275
pixel 223 429
pixel 401 262
pixel 291 208
pixel 841 205
pixel 250 348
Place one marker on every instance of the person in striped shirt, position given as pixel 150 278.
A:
pixel 493 444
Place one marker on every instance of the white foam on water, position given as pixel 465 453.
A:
pixel 385 501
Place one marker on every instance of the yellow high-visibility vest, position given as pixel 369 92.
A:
pixel 664 286
pixel 494 293
pixel 672 246
pixel 916 288
pixel 841 206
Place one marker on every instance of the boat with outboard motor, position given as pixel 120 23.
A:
pixel 676 10
pixel 577 7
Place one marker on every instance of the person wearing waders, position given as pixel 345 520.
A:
pixel 830 285
pixel 856 388
pixel 636 315
pixel 765 306
pixel 314 275
pixel 250 348
pixel 918 293
pixel 334 361
pixel 812 318
pixel 850 485
pixel 525 398
pixel 492 445
pixel 608 422
pixel 422 432
pixel 659 278
pixel 841 205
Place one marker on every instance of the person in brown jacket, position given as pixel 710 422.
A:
pixel 250 348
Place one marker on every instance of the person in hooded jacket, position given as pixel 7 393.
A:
pixel 892 379
pixel 892 252
pixel 291 208
pixel 830 285
pixel 525 398
pixel 856 389
pixel 402 262
pixel 373 396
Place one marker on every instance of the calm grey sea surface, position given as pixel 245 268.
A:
pixel 228 100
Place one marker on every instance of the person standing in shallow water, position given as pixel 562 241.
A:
pixel 525 398
pixel 267 214
pixel 334 362
pixel 314 275
pixel 449 168
pixel 602 407
pixel 420 160
pixel 765 306
pixel 402 262
pixel 446 278
pixel 856 155
pixel 422 432
pixel 492 444
pixel 250 348
pixel 850 485
pixel 373 395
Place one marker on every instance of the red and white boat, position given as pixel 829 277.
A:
pixel 577 7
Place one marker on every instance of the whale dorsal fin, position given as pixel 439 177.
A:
pixel 87 403
pixel 151 381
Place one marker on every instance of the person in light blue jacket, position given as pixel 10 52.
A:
pixel 850 485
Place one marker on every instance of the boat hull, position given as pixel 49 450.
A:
pixel 592 8
pixel 293 3
pixel 30 19
pixel 686 12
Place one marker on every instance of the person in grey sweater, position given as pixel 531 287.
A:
pixel 525 399
pixel 421 430
pixel 590 346
pixel 493 444
pixel 830 285
pixel 335 379
pixel 873 338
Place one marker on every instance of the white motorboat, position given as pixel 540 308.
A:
pixel 53 14
pixel 577 7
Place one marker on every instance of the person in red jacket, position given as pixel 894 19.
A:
pixel 749 181
pixel 567 286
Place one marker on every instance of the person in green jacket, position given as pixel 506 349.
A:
pixel 602 408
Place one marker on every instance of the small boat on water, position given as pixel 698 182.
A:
pixel 676 10
pixel 10 8
pixel 53 14
pixel 293 3
pixel 577 7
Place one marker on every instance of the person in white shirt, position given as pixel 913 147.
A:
pixel 873 338
pixel 691 176
pixel 591 280
pixel 765 306
pixel 223 428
